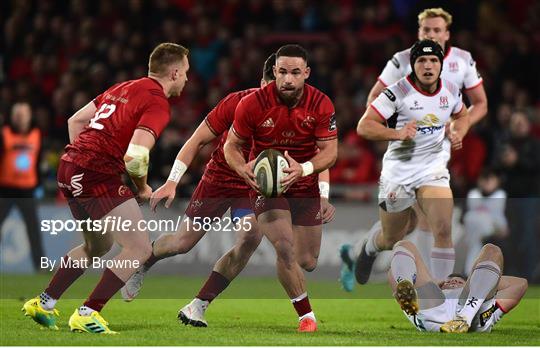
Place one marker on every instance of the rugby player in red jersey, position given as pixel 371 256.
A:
pixel 219 189
pixel 293 117
pixel 109 136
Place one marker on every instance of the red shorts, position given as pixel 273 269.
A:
pixel 91 194
pixel 211 200
pixel 303 203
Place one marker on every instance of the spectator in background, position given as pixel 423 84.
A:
pixel 520 160
pixel 485 216
pixel 20 145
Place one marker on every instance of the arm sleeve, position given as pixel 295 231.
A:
pixel 326 128
pixel 221 117
pixel 392 72
pixel 472 77
pixel 155 116
pixel 243 125
pixel 385 104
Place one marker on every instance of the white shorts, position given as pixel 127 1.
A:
pixel 394 197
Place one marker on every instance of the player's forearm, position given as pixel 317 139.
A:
pixel 477 111
pixel 324 160
pixel 140 183
pixel 371 130
pixel 234 155
pixel 510 291
pixel 460 126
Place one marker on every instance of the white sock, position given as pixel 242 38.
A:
pixel 85 311
pixel 424 243
pixel 308 315
pixel 483 280
pixel 371 247
pixel 46 301
pixel 442 262
pixel 403 265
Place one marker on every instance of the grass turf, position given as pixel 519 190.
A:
pixel 253 311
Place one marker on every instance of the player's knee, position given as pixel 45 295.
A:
pixel 492 251
pixel 308 264
pixel 250 242
pixel 145 251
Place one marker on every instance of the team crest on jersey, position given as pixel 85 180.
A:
pixel 453 67
pixel 443 102
pixel 123 190
pixel 269 123
pixel 308 122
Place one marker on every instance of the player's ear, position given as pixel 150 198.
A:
pixel 307 72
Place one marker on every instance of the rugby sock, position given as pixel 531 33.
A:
pixel 371 248
pixel 442 262
pixel 403 265
pixel 302 306
pixel 483 280
pixel 108 285
pixel 424 243
pixel 151 260
pixel 215 284
pixel 61 281
pixel 46 301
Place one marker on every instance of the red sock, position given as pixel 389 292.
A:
pixel 108 285
pixel 63 278
pixel 302 306
pixel 215 284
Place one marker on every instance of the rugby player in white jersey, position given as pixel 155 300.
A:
pixel 460 68
pixel 413 114
pixel 455 304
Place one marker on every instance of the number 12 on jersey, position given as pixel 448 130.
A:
pixel 105 111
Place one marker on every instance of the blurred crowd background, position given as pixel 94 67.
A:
pixel 59 55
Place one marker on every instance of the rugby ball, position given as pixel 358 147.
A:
pixel 268 172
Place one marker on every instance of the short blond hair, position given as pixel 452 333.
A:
pixel 433 13
pixel 164 55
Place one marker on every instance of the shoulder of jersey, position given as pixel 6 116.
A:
pixel 462 54
pixel 238 95
pixel 398 90
pixel 401 59
pixel 261 97
pixel 315 99
pixel 451 87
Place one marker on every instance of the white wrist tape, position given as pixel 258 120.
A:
pixel 178 169
pixel 324 188
pixel 138 165
pixel 307 168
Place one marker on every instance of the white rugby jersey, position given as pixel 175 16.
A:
pixel 494 204
pixel 402 102
pixel 458 67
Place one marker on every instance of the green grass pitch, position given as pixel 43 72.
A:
pixel 253 311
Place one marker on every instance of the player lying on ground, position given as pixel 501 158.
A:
pixel 110 135
pixel 416 111
pixel 298 120
pixel 454 304
pixel 460 68
pixel 220 189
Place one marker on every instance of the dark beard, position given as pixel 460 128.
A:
pixel 292 99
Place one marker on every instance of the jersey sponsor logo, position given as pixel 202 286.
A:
pixel 453 67
pixel 269 123
pixel 308 122
pixel 416 106
pixel 333 123
pixel 288 133
pixel 429 124
pixel 285 142
pixel 389 94
pixel 76 184
pixel 395 61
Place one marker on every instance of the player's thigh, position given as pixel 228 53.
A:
pixel 307 241
pixel 437 203
pixel 276 225
pixel 421 219
pixel 394 225
pixel 248 233
pixel 126 224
